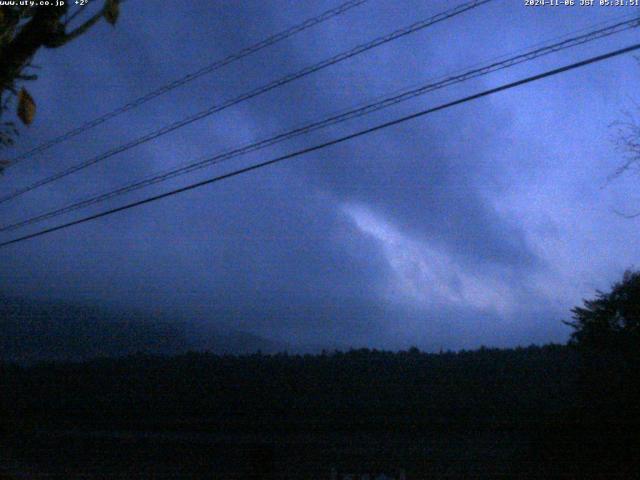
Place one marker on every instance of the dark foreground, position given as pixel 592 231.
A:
pixel 468 454
pixel 290 456
pixel 528 413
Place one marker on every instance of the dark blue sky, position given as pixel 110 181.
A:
pixel 481 224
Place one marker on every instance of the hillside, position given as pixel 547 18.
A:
pixel 32 331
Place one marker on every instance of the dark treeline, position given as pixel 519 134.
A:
pixel 562 409
pixel 359 389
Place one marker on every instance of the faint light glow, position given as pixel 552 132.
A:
pixel 427 276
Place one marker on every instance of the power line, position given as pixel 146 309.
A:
pixel 336 141
pixel 245 52
pixel 253 93
pixel 332 120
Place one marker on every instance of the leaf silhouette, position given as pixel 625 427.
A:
pixel 112 11
pixel 26 107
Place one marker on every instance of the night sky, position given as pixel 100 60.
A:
pixel 481 224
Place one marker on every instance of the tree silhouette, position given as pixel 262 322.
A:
pixel 610 322
pixel 626 138
pixel 607 410
pixel 24 30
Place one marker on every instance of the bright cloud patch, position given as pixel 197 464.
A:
pixel 427 276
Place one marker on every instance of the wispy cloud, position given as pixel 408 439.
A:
pixel 427 275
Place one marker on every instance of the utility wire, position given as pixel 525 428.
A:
pixel 354 113
pixel 245 52
pixel 253 93
pixel 336 141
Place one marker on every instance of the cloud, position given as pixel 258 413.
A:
pixel 483 223
pixel 429 276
